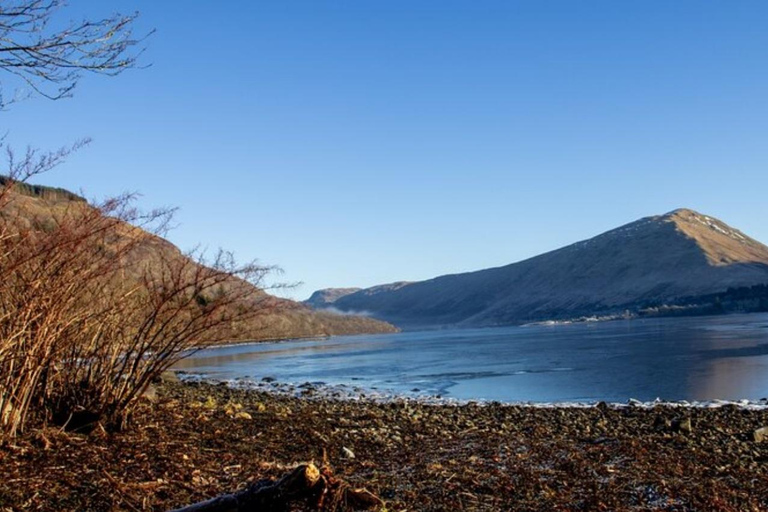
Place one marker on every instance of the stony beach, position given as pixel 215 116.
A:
pixel 191 441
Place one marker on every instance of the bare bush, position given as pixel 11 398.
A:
pixel 93 307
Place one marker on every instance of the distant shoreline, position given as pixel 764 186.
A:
pixel 731 302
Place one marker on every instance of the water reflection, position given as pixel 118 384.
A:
pixel 691 358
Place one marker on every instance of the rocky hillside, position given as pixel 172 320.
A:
pixel 37 207
pixel 654 260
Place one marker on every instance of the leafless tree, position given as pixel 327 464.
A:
pixel 49 57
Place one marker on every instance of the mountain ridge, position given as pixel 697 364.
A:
pixel 654 259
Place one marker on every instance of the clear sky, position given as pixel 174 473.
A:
pixel 360 142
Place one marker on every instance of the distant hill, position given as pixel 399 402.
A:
pixel 36 206
pixel 325 298
pixel 655 260
pixel 329 296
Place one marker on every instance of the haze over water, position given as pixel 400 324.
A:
pixel 700 358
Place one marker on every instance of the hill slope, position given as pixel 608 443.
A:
pixel 652 260
pixel 325 298
pixel 37 207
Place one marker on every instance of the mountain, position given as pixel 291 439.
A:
pixel 652 261
pixel 325 298
pixel 37 207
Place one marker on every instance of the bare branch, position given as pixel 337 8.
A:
pixel 50 62
pixel 92 307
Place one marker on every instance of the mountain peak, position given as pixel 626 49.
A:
pixel 681 213
pixel 688 215
pixel 721 243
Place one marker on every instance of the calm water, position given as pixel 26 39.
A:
pixel 672 359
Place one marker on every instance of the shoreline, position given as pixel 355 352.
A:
pixel 351 393
pixel 198 440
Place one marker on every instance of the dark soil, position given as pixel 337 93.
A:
pixel 195 442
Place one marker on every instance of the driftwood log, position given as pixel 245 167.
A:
pixel 307 484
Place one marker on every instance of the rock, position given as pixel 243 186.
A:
pixel 760 435
pixel 683 425
pixel 600 424
pixel 662 423
pixel 346 452
pixel 232 408
pixel 150 393
pixel 635 402
pixel 268 379
pixel 242 415
pixel 168 376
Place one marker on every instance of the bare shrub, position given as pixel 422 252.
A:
pixel 94 305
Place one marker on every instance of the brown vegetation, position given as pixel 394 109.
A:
pixel 94 303
pixel 86 321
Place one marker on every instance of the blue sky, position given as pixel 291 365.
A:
pixel 356 143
